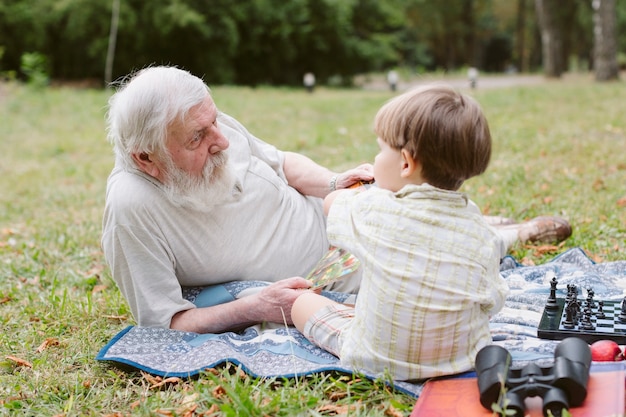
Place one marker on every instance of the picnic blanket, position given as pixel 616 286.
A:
pixel 279 351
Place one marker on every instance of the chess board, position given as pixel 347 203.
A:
pixel 607 328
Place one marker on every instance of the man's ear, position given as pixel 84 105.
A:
pixel 146 164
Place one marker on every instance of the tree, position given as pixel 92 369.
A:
pixel 115 18
pixel 551 37
pixel 520 36
pixel 605 40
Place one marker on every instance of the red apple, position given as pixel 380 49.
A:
pixel 606 351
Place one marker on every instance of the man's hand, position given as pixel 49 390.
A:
pixel 269 304
pixel 273 303
pixel 309 178
pixel 362 173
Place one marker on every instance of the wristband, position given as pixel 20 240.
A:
pixel 333 183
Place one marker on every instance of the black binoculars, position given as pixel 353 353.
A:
pixel 560 385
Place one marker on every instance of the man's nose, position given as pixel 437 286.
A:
pixel 219 144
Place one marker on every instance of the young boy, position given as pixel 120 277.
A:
pixel 430 262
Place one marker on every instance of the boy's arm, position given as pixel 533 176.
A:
pixel 330 198
pixel 307 304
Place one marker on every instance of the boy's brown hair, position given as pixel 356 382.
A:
pixel 442 129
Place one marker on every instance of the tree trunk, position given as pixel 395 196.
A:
pixel 108 70
pixel 551 37
pixel 605 40
pixel 469 34
pixel 520 37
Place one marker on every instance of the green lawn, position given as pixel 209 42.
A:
pixel 559 149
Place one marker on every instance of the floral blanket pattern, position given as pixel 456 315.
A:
pixel 280 351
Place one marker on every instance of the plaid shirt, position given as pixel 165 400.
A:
pixel 430 280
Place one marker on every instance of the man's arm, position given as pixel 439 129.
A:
pixel 312 179
pixel 272 304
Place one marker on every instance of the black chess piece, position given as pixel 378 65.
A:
pixel 622 314
pixel 576 310
pixel 586 323
pixel 568 323
pixel 551 304
pixel 590 301
pixel 600 313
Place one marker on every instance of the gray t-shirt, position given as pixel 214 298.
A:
pixel 268 231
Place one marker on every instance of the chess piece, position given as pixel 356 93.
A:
pixel 600 313
pixel 586 323
pixel 568 295
pixel 551 304
pixel 568 323
pixel 622 314
pixel 590 302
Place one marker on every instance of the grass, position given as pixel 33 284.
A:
pixel 558 150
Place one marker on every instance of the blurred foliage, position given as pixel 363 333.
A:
pixel 274 42
pixel 34 66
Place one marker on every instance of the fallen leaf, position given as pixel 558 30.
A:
pixel 19 362
pixel 5 300
pixel 218 391
pixel 392 412
pixel 598 185
pixel 151 378
pixel 188 406
pixel 51 341
pixel 212 410
pixel 621 202
pixel 337 395
pixel 190 398
pixel 94 271
pixel 113 317
pixel 98 288
pixel 544 249
pixel 337 409
pixel 597 258
pixel 354 381
pixel 171 380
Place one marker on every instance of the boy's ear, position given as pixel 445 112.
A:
pixel 409 165
pixel 146 164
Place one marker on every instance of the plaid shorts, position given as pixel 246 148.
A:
pixel 325 327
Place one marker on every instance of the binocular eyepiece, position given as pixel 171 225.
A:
pixel 561 385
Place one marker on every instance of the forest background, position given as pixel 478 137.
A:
pixel 275 42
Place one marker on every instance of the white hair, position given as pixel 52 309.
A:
pixel 141 111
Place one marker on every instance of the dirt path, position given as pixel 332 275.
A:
pixel 487 81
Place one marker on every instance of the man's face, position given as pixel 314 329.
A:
pixel 195 140
pixel 196 173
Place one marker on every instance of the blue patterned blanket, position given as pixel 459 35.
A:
pixel 280 351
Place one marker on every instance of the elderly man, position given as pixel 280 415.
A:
pixel 194 199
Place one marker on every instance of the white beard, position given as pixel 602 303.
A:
pixel 213 187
